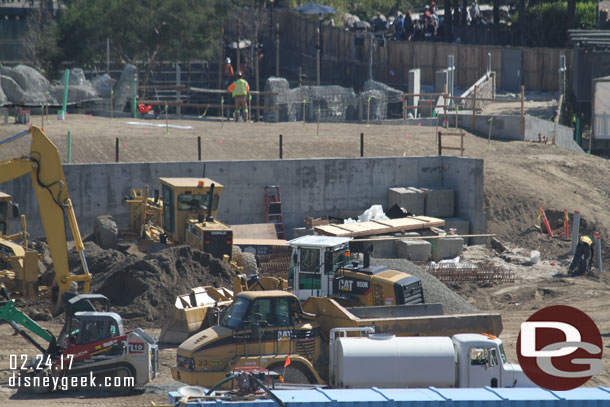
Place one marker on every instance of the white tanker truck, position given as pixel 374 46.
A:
pixel 388 361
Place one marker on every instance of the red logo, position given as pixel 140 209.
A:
pixel 560 348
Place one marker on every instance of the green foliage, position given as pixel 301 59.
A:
pixel 365 9
pixel 140 30
pixel 545 23
pixel 40 40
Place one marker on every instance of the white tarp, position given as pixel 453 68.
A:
pixel 601 119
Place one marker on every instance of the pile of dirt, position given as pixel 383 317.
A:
pixel 143 288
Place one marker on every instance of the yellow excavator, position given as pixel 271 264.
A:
pixel 43 164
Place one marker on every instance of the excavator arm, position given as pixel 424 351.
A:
pixel 49 183
pixel 15 317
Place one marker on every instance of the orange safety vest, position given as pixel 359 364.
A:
pixel 228 70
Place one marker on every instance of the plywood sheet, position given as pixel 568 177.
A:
pixel 380 226
pixel 260 242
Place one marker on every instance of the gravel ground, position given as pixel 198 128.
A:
pixel 435 292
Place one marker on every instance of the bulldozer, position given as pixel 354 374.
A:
pixel 320 267
pixel 43 164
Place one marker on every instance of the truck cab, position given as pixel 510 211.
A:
pixel 320 267
pixel 482 362
pixel 259 329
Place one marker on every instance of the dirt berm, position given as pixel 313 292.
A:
pixel 143 288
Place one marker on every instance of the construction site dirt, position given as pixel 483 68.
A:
pixel 519 178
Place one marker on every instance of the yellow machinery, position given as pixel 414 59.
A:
pixel 320 267
pixel 200 308
pixel 44 166
pixel 262 329
pixel 18 264
pixel 183 213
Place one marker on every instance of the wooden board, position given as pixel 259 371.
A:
pixel 379 227
pixel 254 231
pixel 260 242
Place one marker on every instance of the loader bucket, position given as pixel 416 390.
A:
pixel 192 313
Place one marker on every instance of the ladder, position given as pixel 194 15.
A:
pixel 273 207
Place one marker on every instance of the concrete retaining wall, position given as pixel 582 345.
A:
pixel 509 127
pixel 309 187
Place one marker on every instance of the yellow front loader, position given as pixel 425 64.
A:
pixel 44 167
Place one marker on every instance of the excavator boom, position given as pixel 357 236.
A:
pixel 44 166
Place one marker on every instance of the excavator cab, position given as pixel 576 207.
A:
pixel 8 210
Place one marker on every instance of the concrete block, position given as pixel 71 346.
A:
pixel 440 80
pixel 384 249
pixel 478 226
pixel 411 199
pixel 446 248
pixel 462 226
pixel 439 202
pixel 413 249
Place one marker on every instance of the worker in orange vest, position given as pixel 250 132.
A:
pixel 240 91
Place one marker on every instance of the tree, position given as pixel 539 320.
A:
pixel 40 39
pixel 141 31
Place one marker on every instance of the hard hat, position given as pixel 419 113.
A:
pixel 240 74
pixel 227 60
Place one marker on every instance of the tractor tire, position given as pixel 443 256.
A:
pixel 236 255
pixel 105 231
pixel 294 375
pixel 249 263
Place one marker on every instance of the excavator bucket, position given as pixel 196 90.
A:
pixel 194 312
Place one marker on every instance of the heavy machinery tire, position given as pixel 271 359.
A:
pixel 105 231
pixel 249 263
pixel 294 375
pixel 236 255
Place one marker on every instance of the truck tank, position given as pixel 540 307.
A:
pixel 387 361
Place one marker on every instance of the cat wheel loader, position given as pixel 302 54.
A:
pixel 320 267
pixel 43 164
pixel 92 345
